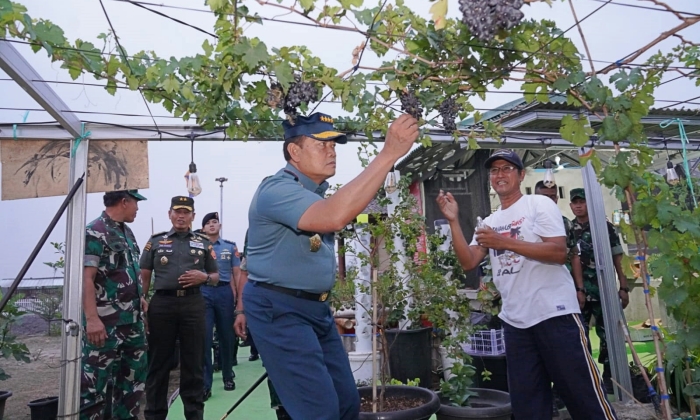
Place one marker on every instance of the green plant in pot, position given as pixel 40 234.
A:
pixel 392 287
pixel 9 346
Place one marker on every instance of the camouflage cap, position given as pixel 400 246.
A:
pixel 577 193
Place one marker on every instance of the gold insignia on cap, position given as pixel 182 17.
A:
pixel 315 242
pixel 163 260
pixel 323 297
pixel 183 199
pixel 326 119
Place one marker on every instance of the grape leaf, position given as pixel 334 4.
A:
pixel 576 130
pixel 284 74
pixel 306 4
pixel 252 54
pixel 439 11
pixel 617 127
pixel 685 225
pixel 171 84
pixel 561 84
pixel 348 3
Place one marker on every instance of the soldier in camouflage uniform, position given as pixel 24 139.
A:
pixel 113 307
pixel 584 272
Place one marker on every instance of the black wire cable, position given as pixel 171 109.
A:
pixel 651 8
pixel 137 4
pixel 123 54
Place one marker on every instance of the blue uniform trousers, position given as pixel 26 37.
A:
pixel 220 307
pixel 303 354
pixel 554 350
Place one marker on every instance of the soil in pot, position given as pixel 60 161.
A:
pixel 488 404
pixel 400 403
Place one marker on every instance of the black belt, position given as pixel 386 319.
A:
pixel 318 297
pixel 219 284
pixel 179 292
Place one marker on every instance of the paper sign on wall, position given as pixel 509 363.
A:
pixel 40 168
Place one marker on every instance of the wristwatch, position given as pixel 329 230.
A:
pixel 208 280
pixel 625 289
pixel 236 313
pixel 581 289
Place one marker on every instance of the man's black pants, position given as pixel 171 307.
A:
pixel 170 318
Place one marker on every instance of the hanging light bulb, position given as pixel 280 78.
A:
pixel 390 185
pixel 671 175
pixel 548 180
pixel 194 187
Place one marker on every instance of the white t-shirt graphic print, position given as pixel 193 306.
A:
pixel 531 291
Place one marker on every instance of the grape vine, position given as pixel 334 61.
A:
pixel 485 18
pixel 448 111
pixel 411 105
pixel 439 67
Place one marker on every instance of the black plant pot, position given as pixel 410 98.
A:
pixel 44 408
pixel 411 355
pixel 490 404
pixel 430 403
pixel 4 395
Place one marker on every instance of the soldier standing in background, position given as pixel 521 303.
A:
pixel 182 262
pixel 220 302
pixel 586 277
pixel 112 312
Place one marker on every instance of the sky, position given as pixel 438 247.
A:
pixel 612 33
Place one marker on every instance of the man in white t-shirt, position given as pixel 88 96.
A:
pixel 544 336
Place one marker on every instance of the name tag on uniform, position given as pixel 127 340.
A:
pixel 199 245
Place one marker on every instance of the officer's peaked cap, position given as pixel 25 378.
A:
pixel 182 202
pixel 317 126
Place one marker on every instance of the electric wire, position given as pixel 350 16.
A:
pixel 650 8
pixel 123 53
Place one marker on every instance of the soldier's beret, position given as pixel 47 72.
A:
pixel 210 216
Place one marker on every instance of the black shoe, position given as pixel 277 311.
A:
pixel 282 414
pixel 253 357
pixel 608 384
pixel 229 385
pixel 207 394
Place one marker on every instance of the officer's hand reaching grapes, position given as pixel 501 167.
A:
pixel 400 137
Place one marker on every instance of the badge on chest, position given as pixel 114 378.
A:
pixel 198 245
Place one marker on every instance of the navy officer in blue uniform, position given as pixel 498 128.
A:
pixel 220 303
pixel 292 267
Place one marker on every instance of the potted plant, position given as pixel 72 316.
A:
pixel 391 286
pixel 9 347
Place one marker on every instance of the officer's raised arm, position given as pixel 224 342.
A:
pixel 335 212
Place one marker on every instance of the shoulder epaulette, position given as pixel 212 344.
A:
pixel 229 242
pixel 159 233
pixel 201 235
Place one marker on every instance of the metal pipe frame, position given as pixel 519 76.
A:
pixel 18 68
pixel 612 310
pixel 512 139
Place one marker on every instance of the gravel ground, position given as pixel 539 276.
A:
pixel 29 324
pixel 41 377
